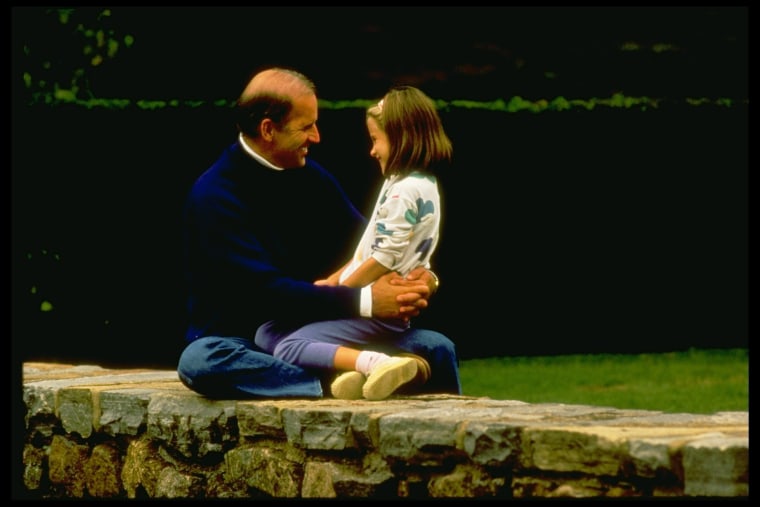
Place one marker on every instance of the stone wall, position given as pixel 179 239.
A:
pixel 99 433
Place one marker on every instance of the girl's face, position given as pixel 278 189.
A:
pixel 380 147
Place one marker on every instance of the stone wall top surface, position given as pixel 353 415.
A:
pixel 710 451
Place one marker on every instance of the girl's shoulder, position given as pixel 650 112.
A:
pixel 419 178
pixel 415 183
pixel 416 178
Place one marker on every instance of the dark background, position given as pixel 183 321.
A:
pixel 612 230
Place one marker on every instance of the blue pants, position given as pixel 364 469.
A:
pixel 314 345
pixel 234 368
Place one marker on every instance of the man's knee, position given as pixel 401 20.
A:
pixel 203 356
pixel 430 340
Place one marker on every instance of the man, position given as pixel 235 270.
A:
pixel 261 225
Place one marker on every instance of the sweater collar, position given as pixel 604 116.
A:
pixel 256 156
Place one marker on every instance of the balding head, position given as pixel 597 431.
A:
pixel 277 81
pixel 270 94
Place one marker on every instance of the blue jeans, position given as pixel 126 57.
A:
pixel 234 368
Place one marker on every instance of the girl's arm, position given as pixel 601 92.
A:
pixel 368 272
pixel 333 279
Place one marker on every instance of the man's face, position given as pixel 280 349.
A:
pixel 292 140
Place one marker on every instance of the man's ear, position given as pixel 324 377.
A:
pixel 266 129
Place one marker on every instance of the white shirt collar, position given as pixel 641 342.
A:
pixel 255 155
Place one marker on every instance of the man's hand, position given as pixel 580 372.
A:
pixel 394 296
pixel 420 274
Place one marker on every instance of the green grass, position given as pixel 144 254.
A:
pixel 694 381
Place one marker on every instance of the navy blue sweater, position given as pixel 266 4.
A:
pixel 256 239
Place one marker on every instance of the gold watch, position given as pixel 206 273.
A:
pixel 435 279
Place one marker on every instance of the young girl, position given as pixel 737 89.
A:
pixel 409 142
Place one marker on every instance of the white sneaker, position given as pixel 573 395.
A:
pixel 348 386
pixel 389 376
